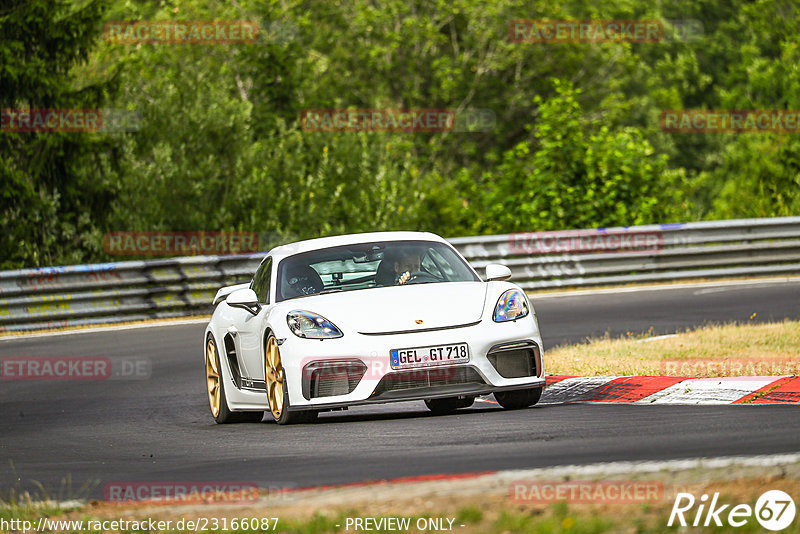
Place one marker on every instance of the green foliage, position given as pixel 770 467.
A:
pixel 580 175
pixel 576 142
pixel 54 200
pixel 763 177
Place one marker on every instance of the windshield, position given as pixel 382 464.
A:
pixel 369 265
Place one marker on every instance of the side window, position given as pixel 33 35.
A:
pixel 430 264
pixel 438 265
pixel 261 281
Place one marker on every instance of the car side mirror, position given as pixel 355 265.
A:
pixel 246 299
pixel 496 271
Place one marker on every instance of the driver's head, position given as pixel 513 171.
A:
pixel 402 260
pixel 408 261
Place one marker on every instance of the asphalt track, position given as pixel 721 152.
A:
pixel 159 429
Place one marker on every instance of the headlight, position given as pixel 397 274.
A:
pixel 511 305
pixel 310 325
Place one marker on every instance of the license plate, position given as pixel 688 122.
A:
pixel 429 356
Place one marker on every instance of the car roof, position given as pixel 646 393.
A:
pixel 350 239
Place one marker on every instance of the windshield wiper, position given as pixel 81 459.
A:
pixel 329 290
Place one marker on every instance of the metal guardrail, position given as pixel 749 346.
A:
pixel 53 297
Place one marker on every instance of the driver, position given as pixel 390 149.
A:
pixel 404 262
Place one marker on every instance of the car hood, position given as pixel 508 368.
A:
pixel 399 308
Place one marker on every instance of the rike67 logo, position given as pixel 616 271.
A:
pixel 774 510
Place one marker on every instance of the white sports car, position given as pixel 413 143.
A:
pixel 369 318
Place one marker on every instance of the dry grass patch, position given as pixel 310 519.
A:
pixel 482 506
pixel 723 350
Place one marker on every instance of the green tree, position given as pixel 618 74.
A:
pixel 579 176
pixel 220 146
pixel 54 198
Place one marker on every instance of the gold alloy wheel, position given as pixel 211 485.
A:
pixel 212 377
pixel 274 377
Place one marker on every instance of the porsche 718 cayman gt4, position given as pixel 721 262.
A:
pixel 369 318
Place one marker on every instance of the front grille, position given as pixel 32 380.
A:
pixel 515 360
pixel 327 379
pixel 427 378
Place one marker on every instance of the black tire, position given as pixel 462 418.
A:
pixel 307 416
pixel 249 417
pixel 289 417
pixel 448 404
pixel 275 373
pixel 519 398
pixel 225 415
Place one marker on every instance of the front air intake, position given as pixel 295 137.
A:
pixel 414 379
pixel 331 378
pixel 515 360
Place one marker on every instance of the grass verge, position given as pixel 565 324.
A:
pixel 466 507
pixel 711 351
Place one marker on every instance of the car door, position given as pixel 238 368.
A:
pixel 250 329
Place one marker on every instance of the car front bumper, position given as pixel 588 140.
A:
pixel 380 383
